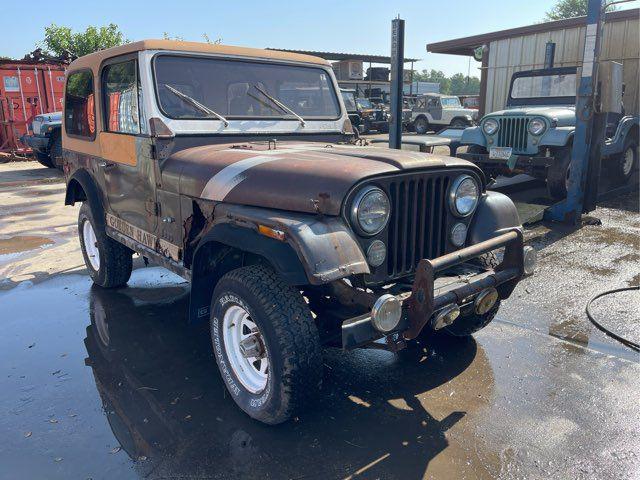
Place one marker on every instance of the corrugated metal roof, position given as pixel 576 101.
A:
pixel 466 45
pixel 345 56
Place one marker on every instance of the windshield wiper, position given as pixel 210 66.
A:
pixel 281 105
pixel 196 104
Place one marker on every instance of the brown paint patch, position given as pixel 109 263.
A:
pixel 22 244
pixel 119 148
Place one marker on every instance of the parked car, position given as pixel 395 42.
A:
pixel 470 101
pixel 434 111
pixel 373 116
pixel 293 237
pixel 45 139
pixel 349 100
pixel 534 134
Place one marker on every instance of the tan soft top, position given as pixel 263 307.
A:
pixel 94 60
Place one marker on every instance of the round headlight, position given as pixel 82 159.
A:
pixel 376 253
pixel 386 313
pixel 537 126
pixel 370 211
pixel 464 195
pixel 458 234
pixel 490 126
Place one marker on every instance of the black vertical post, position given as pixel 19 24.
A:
pixel 549 54
pixel 397 70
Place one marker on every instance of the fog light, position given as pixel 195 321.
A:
pixel 386 313
pixel 446 316
pixel 376 253
pixel 458 234
pixel 530 259
pixel 485 301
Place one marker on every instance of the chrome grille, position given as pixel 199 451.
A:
pixel 417 227
pixel 513 133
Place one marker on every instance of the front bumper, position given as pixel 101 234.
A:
pixel 425 298
pixel 530 164
pixel 36 142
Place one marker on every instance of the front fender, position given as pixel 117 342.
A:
pixel 557 137
pixel 496 214
pixel 314 250
pixel 473 136
pixel 81 187
pixel 616 143
pixel 320 246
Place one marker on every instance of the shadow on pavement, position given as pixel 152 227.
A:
pixel 170 412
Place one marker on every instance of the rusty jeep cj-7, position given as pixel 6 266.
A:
pixel 236 169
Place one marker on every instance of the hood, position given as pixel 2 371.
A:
pixel 301 177
pixel 466 111
pixel 564 114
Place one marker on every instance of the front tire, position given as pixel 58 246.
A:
pixel 109 263
pixel 265 343
pixel 55 152
pixel 626 162
pixel 459 123
pixel 421 126
pixel 468 324
pixel 558 173
pixel 44 159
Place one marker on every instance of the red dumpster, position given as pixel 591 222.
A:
pixel 27 88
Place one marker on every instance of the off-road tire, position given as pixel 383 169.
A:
pixel 477 149
pixel 558 173
pixel 55 152
pixel 459 123
pixel 44 159
pixel 366 126
pixel 490 260
pixel 617 171
pixel 356 132
pixel 116 260
pixel 289 334
pixel 470 323
pixel 421 126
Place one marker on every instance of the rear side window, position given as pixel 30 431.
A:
pixel 79 105
pixel 120 87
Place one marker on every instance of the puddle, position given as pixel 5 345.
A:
pixel 24 243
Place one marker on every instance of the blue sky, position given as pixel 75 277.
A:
pixel 346 26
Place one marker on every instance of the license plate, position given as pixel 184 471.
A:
pixel 500 153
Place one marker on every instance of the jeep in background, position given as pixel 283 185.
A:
pixel 46 139
pixel 349 100
pixel 374 117
pixel 433 112
pixel 534 134
pixel 236 169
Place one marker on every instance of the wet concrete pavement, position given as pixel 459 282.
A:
pixel 117 384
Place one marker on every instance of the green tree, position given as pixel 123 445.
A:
pixel 59 39
pixel 458 84
pixel 434 76
pixel 569 9
pixel 463 85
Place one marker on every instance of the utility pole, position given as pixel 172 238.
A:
pixel 584 169
pixel 397 82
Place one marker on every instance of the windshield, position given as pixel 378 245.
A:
pixel 236 89
pixel 450 102
pixel 364 103
pixel 544 86
pixel 349 100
